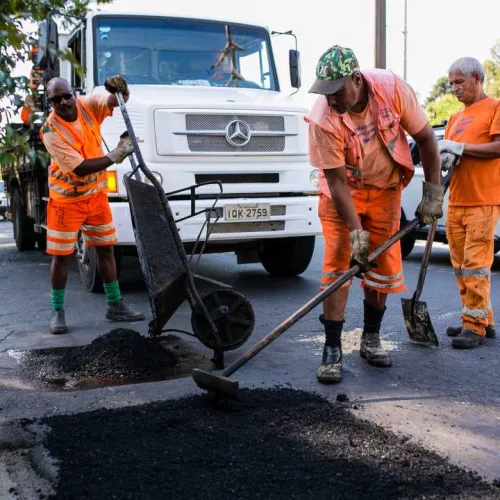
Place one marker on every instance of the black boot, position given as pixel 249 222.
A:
pixel 330 369
pixel 454 331
pixel 467 339
pixel 371 349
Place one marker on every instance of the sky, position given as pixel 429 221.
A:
pixel 439 31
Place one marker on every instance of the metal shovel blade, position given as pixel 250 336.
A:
pixel 418 322
pixel 216 384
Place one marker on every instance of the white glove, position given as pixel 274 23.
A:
pixel 449 160
pixel 456 148
pixel 122 150
pixel 360 242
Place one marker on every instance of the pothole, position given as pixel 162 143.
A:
pixel 120 357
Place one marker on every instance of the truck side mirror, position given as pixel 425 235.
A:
pixel 294 63
pixel 48 46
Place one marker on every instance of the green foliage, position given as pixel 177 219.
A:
pixel 440 88
pixel 442 108
pixel 441 104
pixel 18 20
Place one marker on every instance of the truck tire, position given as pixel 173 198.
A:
pixel 24 234
pixel 496 245
pixel 408 242
pixel 86 259
pixel 287 256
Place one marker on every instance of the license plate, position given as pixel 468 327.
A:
pixel 257 211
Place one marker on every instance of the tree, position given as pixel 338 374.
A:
pixel 440 88
pixel 442 108
pixel 492 72
pixel 441 104
pixel 17 39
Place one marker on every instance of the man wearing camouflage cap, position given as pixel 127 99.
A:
pixel 357 140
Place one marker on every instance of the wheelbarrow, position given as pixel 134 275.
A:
pixel 222 318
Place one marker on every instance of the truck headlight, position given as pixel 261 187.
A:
pixel 314 177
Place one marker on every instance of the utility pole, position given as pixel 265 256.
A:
pixel 405 34
pixel 380 38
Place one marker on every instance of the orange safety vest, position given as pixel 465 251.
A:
pixel 382 89
pixel 67 186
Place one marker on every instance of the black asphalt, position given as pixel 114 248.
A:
pixel 274 444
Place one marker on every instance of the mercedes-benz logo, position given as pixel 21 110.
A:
pixel 238 133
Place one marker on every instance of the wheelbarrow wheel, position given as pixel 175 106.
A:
pixel 231 313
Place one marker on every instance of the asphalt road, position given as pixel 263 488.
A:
pixel 446 399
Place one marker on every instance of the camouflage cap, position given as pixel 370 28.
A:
pixel 334 69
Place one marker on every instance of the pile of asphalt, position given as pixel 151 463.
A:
pixel 121 353
pixel 274 444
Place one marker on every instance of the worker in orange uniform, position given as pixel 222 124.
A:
pixel 77 191
pixel 357 139
pixel 473 136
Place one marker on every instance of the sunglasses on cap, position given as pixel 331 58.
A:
pixel 58 98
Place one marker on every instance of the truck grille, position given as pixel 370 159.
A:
pixel 207 133
pixel 248 227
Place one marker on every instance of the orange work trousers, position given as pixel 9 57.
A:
pixel 470 232
pixel 379 211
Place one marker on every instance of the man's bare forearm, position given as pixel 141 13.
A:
pixel 92 166
pixel 341 197
pixel 429 154
pixel 489 151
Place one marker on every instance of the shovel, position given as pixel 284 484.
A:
pixel 222 385
pixel 415 312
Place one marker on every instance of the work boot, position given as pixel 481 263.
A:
pixel 454 331
pixel 58 322
pixel 330 369
pixel 119 311
pixel 371 349
pixel 467 339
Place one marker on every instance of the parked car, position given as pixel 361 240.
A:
pixel 411 198
pixel 3 199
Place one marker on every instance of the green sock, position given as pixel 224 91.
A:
pixel 112 291
pixel 57 299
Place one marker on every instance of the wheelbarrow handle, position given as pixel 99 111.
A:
pixel 320 297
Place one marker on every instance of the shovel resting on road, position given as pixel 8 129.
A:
pixel 416 314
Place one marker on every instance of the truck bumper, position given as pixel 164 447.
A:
pixel 291 216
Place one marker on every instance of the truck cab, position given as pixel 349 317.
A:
pixel 206 105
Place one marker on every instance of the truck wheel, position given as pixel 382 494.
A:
pixel 407 244
pixel 86 258
pixel 41 240
pixel 24 235
pixel 287 256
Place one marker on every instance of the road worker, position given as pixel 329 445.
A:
pixel 473 136
pixel 357 140
pixel 77 191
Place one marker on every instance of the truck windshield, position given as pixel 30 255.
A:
pixel 166 51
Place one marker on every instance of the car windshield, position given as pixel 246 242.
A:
pixel 165 51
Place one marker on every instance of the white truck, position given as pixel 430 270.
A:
pixel 206 105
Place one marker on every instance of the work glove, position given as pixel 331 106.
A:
pixel 122 150
pixel 115 84
pixel 456 148
pixel 431 206
pixel 449 160
pixel 360 241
